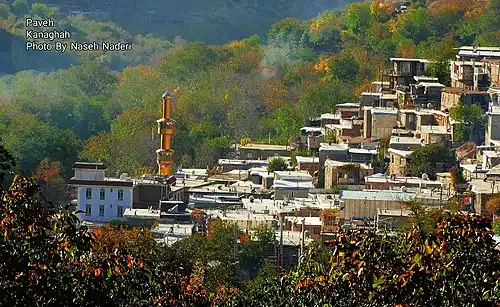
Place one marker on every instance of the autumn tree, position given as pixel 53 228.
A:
pixel 51 182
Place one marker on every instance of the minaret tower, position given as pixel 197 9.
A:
pixel 166 128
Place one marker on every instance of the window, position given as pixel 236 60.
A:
pixel 120 194
pixel 119 211
pixel 88 210
pixel 102 194
pixel 101 210
pixel 88 193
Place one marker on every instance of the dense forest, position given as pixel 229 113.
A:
pixel 253 88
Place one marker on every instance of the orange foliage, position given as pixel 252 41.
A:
pixel 329 213
pixel 276 96
pixel 406 50
pixel 323 65
pixel 363 87
pixel 493 205
pixel 109 238
pixel 48 171
pixel 450 6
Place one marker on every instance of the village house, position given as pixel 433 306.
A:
pixel 310 164
pixel 436 134
pixel 427 94
pixel 379 122
pixel 292 184
pixel 386 182
pixel 311 137
pixel 341 173
pixel 263 151
pixel 380 87
pixel 452 96
pixel 404 70
pixel 399 162
pixel 100 198
pixel 492 127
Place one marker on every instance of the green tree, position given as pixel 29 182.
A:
pixel 186 62
pixel 90 79
pixel 31 140
pixel 425 159
pixel 277 164
pixel 357 17
pixel 469 124
pixel 6 163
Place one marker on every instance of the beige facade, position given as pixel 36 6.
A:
pixel 366 203
pixel 399 162
pixel 436 134
pixel 382 124
pixel 345 173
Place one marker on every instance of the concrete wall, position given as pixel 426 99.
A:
pixel 492 127
pixel 279 194
pixel 398 165
pixel 366 208
pixel 110 203
pixel 337 175
pixel 382 125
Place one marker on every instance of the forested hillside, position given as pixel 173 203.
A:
pixel 212 22
pixel 249 88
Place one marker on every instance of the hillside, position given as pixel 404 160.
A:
pixel 213 22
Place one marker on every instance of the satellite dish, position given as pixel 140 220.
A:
pixel 403 188
pixel 429 106
pixel 425 176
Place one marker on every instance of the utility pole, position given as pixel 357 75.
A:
pixel 235 241
pixel 282 221
pixel 302 240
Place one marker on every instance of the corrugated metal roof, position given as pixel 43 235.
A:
pixel 377 195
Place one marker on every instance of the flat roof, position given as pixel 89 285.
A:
pixel 408 60
pixel 424 78
pixel 430 84
pixel 301 159
pixel 265 147
pixel 293 174
pixel 394 212
pixel 383 195
pixel 89 166
pixel 402 153
pixel 141 213
pixel 311 129
pixel 388 96
pixel 371 94
pixel 491 153
pixel 363 151
pixel 347 105
pixel 326 146
pixel 435 129
pixel 383 178
pixel 329 162
pixel 382 111
pixel 107 182
pixel 404 140
pixel 329 116
pixel 458 90
pixel 381 82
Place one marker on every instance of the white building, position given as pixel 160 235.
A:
pixel 99 197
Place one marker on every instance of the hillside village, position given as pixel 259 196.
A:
pixel 348 180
